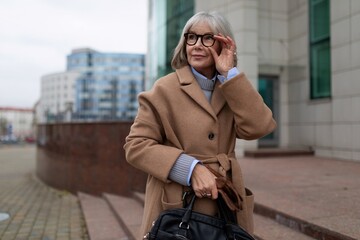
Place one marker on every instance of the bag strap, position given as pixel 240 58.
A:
pixel 189 209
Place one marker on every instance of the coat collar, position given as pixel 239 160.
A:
pixel 190 86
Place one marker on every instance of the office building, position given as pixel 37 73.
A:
pixel 108 86
pixel 166 20
pixel 96 86
pixel 304 58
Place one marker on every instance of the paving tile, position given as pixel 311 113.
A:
pixel 268 229
pixel 36 210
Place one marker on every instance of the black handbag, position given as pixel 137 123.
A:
pixel 186 224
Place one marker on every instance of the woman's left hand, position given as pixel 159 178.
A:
pixel 224 61
pixel 203 182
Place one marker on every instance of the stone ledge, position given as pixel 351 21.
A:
pixel 277 152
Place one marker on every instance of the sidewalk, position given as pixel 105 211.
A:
pixel 296 198
pixel 316 196
pixel 37 212
pixel 310 194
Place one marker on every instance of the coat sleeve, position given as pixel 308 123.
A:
pixel 253 119
pixel 144 147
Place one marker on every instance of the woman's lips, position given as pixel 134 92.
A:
pixel 198 56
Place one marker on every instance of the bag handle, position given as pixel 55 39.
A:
pixel 186 218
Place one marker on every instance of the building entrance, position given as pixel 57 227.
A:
pixel 269 90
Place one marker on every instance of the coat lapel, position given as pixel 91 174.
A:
pixel 217 100
pixel 190 86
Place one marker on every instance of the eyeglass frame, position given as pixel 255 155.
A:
pixel 197 38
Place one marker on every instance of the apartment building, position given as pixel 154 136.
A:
pixel 57 99
pixel 16 123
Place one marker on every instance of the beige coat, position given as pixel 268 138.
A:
pixel 175 117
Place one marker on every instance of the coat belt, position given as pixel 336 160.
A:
pixel 226 162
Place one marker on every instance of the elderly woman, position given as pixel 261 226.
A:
pixel 191 118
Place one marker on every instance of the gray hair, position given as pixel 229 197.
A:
pixel 217 24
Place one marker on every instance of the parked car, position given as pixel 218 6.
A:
pixel 30 139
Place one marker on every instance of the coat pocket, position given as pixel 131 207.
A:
pixel 171 196
pixel 249 201
pixel 245 216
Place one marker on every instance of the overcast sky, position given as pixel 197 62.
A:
pixel 37 35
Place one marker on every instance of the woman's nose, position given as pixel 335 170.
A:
pixel 198 43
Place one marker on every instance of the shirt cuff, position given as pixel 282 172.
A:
pixel 191 170
pixel 182 169
pixel 231 73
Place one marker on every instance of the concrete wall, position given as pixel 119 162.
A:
pixel 273 45
pixel 345 112
pixel 332 126
pixel 87 157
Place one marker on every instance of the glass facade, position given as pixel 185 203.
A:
pixel 320 59
pixel 108 86
pixel 166 21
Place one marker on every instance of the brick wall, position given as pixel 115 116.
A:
pixel 87 157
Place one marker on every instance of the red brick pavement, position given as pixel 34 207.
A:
pixel 320 192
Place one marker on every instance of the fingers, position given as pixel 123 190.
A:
pixel 199 194
pixel 226 42
pixel 214 193
pixel 203 182
pixel 206 194
pixel 214 54
pixel 224 58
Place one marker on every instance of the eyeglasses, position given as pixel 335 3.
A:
pixel 207 39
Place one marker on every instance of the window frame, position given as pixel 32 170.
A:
pixel 319 47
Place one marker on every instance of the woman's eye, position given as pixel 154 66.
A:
pixel 208 37
pixel 192 36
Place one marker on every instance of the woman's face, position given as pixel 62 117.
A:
pixel 199 56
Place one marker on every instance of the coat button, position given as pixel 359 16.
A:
pixel 211 136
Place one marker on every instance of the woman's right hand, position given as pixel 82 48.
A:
pixel 224 60
pixel 203 182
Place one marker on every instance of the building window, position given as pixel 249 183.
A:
pixel 320 57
